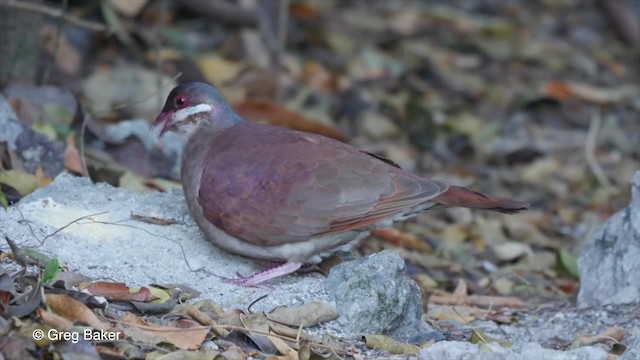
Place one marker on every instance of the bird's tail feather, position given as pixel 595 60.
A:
pixel 461 196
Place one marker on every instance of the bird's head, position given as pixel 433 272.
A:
pixel 191 105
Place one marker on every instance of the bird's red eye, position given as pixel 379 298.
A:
pixel 180 101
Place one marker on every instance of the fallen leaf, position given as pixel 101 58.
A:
pixel 390 345
pixel 50 271
pixel 586 92
pixel 183 334
pixel 68 279
pixel 567 263
pixel 610 335
pixel 460 297
pixel 200 317
pixel 402 239
pixel 23 182
pixel 54 320
pixel 43 180
pixel 478 337
pixel 74 310
pixel 3 200
pixel 558 90
pixel 120 292
pixel 217 69
pixel 71 156
pixel 306 315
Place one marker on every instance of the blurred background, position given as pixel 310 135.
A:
pixel 534 100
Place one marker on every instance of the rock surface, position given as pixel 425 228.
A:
pixel 455 350
pixel 610 263
pixel 34 149
pixel 374 296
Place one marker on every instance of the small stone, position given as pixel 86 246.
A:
pixel 374 296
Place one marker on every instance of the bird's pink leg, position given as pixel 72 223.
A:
pixel 272 273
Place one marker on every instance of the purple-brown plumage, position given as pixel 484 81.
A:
pixel 271 186
pixel 281 195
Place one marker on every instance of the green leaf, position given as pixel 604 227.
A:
pixel 478 337
pixel 567 264
pixel 3 200
pixel 23 182
pixel 50 271
pixel 35 255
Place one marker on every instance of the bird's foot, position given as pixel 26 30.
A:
pixel 257 279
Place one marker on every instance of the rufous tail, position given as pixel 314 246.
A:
pixel 460 196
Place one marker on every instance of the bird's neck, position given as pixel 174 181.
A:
pixel 223 118
pixel 214 122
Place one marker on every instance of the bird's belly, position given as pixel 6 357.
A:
pixel 311 251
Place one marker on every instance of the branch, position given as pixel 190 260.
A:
pixel 52 12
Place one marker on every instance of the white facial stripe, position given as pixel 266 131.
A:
pixel 182 114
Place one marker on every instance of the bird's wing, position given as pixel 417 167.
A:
pixel 271 186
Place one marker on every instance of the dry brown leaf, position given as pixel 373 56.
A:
pixel 287 351
pixel 72 159
pixel 557 90
pixel 184 334
pixel 203 319
pixel 288 331
pixel 593 94
pixel 612 334
pixel 453 315
pixel 119 292
pixel 402 239
pixel 109 352
pixel 43 180
pixel 305 315
pixel 274 114
pixel 391 345
pixel 73 310
pixel 258 326
pixel 53 320
pixel 460 297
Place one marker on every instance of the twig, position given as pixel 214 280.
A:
pixel 52 12
pixel 118 223
pixel 255 302
pixel 65 226
pixel 590 152
pixel 83 157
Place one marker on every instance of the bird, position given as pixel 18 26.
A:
pixel 287 197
